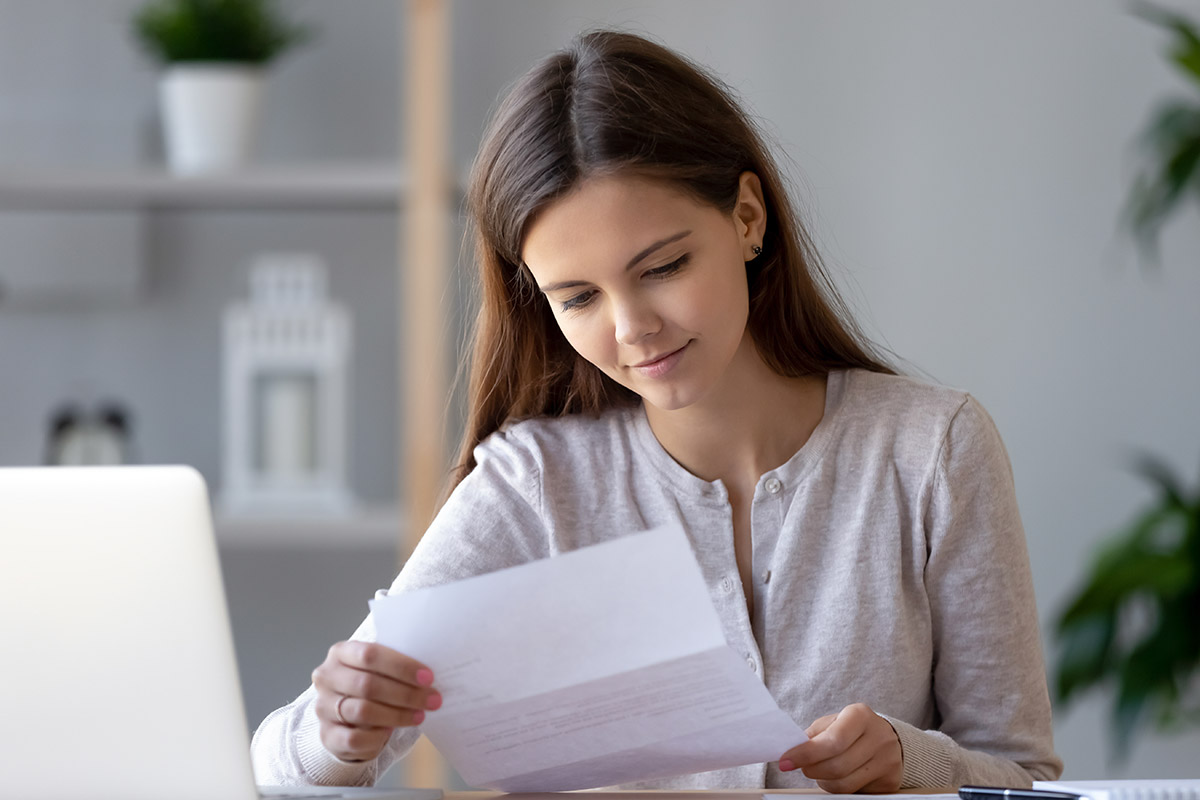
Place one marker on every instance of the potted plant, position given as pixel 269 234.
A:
pixel 1134 624
pixel 214 53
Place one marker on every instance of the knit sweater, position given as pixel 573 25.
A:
pixel 889 568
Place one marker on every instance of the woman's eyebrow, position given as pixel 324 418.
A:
pixel 633 262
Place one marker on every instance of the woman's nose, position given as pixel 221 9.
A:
pixel 634 320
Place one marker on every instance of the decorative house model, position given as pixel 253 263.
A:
pixel 286 355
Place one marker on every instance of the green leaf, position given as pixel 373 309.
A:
pixel 1173 122
pixel 1129 564
pixel 1181 165
pixel 1171 141
pixel 1156 195
pixel 1153 563
pixel 1189 62
pixel 1185 49
pixel 247 31
pixel 1127 715
pixel 1083 658
pixel 1159 473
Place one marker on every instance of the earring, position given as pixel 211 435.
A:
pixel 756 250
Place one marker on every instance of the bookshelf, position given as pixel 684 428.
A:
pixel 369 528
pixel 346 186
pixel 90 203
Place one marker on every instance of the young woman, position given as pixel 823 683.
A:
pixel 657 342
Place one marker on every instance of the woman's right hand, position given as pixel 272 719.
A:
pixel 364 692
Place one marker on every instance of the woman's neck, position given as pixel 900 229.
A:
pixel 750 423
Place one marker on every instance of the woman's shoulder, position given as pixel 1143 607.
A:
pixel 566 442
pixel 907 409
pixel 901 394
pixel 901 390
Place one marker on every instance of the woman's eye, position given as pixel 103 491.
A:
pixel 668 269
pixel 583 299
pixel 578 301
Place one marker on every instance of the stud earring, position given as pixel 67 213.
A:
pixel 756 250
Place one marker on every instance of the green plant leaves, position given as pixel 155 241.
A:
pixel 1159 473
pixel 1084 644
pixel 1185 49
pixel 1135 622
pixel 242 31
pixel 1171 141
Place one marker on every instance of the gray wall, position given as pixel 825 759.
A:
pixel 962 167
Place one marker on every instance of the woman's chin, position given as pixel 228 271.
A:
pixel 667 400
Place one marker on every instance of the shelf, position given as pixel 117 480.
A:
pixel 370 527
pixel 328 186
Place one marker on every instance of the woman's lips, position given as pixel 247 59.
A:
pixel 658 367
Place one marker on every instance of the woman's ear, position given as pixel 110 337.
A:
pixel 750 215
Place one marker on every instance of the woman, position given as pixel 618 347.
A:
pixel 657 342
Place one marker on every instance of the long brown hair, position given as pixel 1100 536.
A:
pixel 614 102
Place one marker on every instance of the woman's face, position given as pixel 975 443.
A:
pixel 648 284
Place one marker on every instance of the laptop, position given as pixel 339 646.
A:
pixel 118 677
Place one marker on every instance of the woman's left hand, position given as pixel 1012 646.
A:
pixel 854 750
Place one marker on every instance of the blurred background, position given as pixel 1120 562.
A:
pixel 962 167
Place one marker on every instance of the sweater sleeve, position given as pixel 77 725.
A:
pixel 492 520
pixel 988 676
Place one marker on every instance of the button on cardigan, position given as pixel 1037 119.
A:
pixel 893 562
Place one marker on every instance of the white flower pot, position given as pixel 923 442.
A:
pixel 210 115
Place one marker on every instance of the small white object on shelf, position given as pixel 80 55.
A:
pixel 288 418
pixel 210 115
pixel 286 375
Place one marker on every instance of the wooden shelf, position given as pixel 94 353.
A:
pixel 370 527
pixel 327 186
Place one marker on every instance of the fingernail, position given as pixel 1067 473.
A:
pixel 418 717
pixel 424 677
pixel 786 766
pixel 433 702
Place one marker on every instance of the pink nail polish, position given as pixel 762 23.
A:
pixel 433 702
pixel 424 677
pixel 786 766
pixel 418 717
